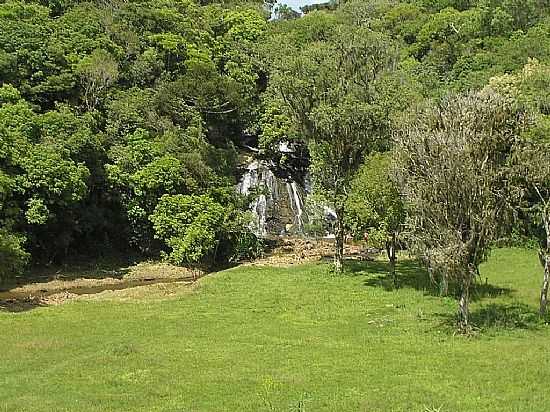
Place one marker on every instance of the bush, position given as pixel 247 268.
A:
pixel 199 230
pixel 190 226
pixel 13 257
pixel 245 245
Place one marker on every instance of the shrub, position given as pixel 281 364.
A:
pixel 13 257
pixel 190 226
pixel 199 230
pixel 245 245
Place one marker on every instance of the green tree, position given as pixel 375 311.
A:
pixel 329 90
pixel 13 257
pixel 201 230
pixel 375 206
pixel 189 225
pixel 285 12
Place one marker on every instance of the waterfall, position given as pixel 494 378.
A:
pixel 279 206
pixel 296 203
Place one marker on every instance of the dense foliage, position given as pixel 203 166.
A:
pixel 446 51
pixel 101 116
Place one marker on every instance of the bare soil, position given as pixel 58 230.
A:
pixel 60 286
pixel 291 251
pixel 55 286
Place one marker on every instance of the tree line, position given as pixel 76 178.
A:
pixel 426 124
pixel 112 114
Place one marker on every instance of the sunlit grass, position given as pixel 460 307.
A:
pixel 287 339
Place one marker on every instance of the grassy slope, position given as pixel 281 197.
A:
pixel 253 339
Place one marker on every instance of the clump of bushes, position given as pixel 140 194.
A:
pixel 199 230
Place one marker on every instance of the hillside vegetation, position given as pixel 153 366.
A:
pixel 115 115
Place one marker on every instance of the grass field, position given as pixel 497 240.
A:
pixel 286 339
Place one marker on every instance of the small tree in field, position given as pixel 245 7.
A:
pixel 534 161
pixel 329 89
pixel 375 205
pixel 455 161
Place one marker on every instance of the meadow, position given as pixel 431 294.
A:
pixel 297 338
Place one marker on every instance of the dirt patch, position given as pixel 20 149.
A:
pixel 150 279
pixel 291 251
pixel 155 291
pixel 135 281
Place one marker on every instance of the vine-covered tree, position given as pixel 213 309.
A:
pixel 455 159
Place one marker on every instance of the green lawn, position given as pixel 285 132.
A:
pixel 286 339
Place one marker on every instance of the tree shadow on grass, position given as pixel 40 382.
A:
pixel 506 316
pixel 410 275
pixel 488 317
pixel 498 316
pixel 16 306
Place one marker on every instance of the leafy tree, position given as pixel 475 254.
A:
pixel 143 170
pixel 285 12
pixel 189 225
pixel 375 205
pixel 328 89
pixel 197 228
pixel 12 254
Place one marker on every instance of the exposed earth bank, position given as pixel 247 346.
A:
pixel 54 286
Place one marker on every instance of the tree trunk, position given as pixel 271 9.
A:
pixel 464 304
pixel 339 242
pixel 544 289
pixel 392 256
pixel 443 285
pixel 545 260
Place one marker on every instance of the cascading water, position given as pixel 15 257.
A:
pixel 279 205
pixel 296 204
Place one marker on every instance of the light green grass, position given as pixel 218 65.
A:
pixel 278 339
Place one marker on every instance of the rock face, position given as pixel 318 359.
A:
pixel 278 207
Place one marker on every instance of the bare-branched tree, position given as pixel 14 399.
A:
pixel 529 88
pixel 454 161
pixel 98 72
